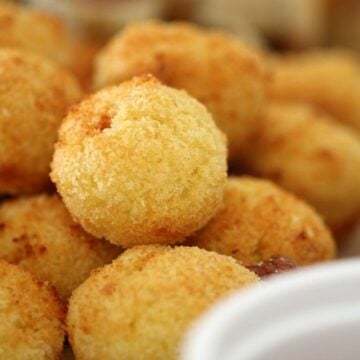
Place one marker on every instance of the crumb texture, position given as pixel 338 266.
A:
pixel 38 234
pixel 258 220
pixel 31 317
pixel 224 74
pixel 140 306
pixel 140 163
pixel 34 97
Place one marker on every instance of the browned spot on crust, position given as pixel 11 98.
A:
pixel 2 226
pixel 8 172
pixel 276 175
pixel 104 123
pixel 302 235
pixel 20 238
pixel 108 289
pixel 163 231
pixel 84 329
pixel 42 249
pixel 29 250
pixel 325 154
pixel 7 19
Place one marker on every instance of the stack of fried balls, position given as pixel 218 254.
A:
pixel 119 220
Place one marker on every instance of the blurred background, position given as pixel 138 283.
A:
pixel 271 24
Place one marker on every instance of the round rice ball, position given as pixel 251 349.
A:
pixel 227 76
pixel 140 163
pixel 34 97
pixel 31 317
pixel 141 305
pixel 258 220
pixel 39 235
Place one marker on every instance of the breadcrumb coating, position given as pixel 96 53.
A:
pixel 308 153
pixel 328 79
pixel 31 317
pixel 216 68
pixel 140 163
pixel 33 30
pixel 34 96
pixel 258 220
pixel 39 235
pixel 140 306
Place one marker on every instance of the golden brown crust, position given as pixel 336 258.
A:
pixel 258 220
pixel 39 235
pixel 327 79
pixel 140 306
pixel 34 97
pixel 140 163
pixel 308 153
pixel 215 68
pixel 31 317
pixel 33 30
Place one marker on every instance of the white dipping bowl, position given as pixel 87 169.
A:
pixel 309 314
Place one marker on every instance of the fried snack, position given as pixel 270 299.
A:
pixel 34 96
pixel 38 234
pixel 328 79
pixel 140 163
pixel 224 74
pixel 308 153
pixel 258 220
pixel 140 306
pixel 31 317
pixel 45 34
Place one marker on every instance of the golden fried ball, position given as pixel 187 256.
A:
pixel 217 69
pixel 328 79
pixel 258 220
pixel 38 234
pixel 308 153
pixel 140 306
pixel 140 163
pixel 31 317
pixel 39 32
pixel 34 96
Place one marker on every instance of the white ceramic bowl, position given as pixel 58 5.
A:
pixel 309 314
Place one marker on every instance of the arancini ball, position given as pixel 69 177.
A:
pixel 34 97
pixel 258 220
pixel 39 235
pixel 33 30
pixel 140 306
pixel 140 163
pixel 227 76
pixel 31 317
pixel 307 152
pixel 328 79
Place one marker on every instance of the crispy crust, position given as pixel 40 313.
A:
pixel 218 70
pixel 258 220
pixel 327 79
pixel 308 153
pixel 140 163
pixel 31 316
pixel 140 306
pixel 34 97
pixel 38 234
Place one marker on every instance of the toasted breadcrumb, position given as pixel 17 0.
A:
pixel 34 96
pixel 140 163
pixel 258 220
pixel 308 153
pixel 224 74
pixel 31 317
pixel 39 235
pixel 140 306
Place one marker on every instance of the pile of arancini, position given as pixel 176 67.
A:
pixel 145 229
